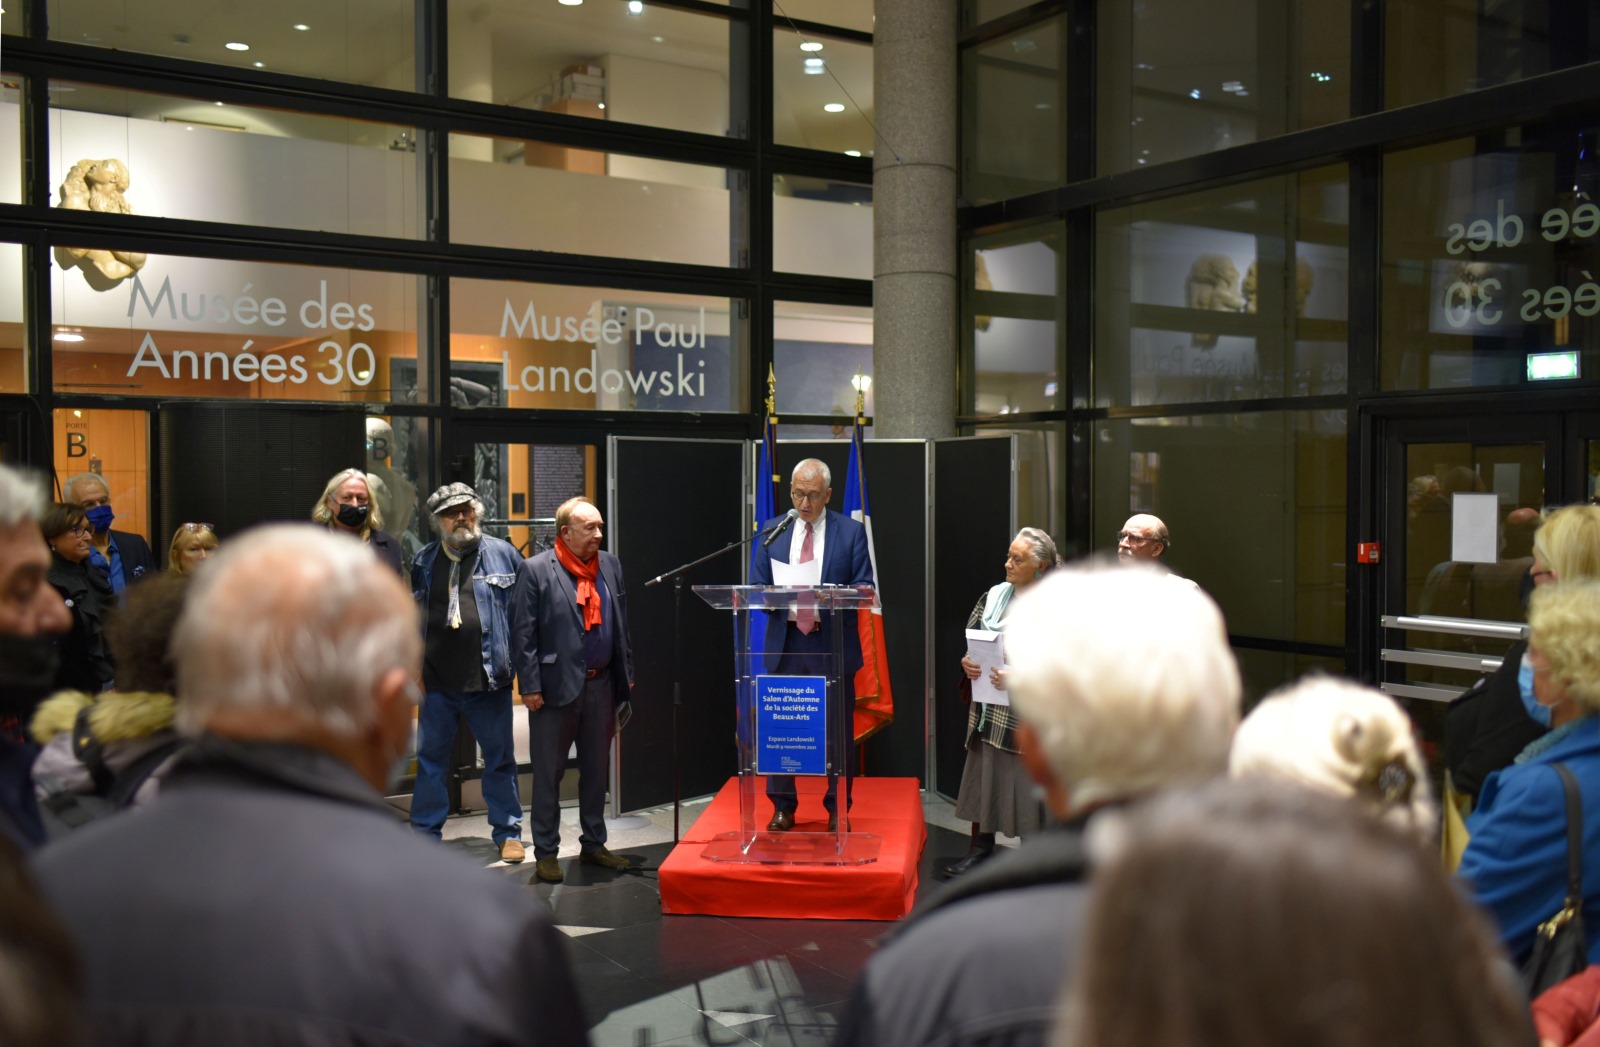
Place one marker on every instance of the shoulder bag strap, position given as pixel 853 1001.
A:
pixel 1569 785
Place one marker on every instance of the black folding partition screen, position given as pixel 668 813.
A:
pixel 673 501
pixel 974 514
pixel 897 491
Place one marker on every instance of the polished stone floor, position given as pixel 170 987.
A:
pixel 646 978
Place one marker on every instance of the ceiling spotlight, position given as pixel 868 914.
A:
pixel 216 103
pixel 636 7
pixel 1194 93
pixel 601 104
pixel 301 26
pixel 569 3
pixel 259 65
pixel 811 45
pixel 236 46
pixel 1321 78
pixel 1232 85
pixel 852 152
pixel 814 63
pixel 67 336
pixel 833 107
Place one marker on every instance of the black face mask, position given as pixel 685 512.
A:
pixel 353 515
pixel 28 667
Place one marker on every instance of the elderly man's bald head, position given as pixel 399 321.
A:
pixel 1143 537
pixel 296 621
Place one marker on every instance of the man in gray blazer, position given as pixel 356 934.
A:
pixel 574 665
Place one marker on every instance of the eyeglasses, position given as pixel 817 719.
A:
pixel 808 496
pixel 1137 539
pixel 82 530
pixel 199 527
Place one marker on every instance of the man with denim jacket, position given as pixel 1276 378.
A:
pixel 464 582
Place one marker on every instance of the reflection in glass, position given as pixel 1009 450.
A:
pixel 11 135
pixel 612 204
pixel 1255 504
pixel 821 226
pixel 203 327
pixel 1013 93
pixel 354 41
pixel 977 12
pixel 602 60
pixel 821 356
pixel 1184 77
pixel 522 486
pixel 580 348
pixel 1490 252
pixel 1041 470
pixel 824 106
pixel 846 14
pixel 397 456
pixel 202 160
pixel 1229 294
pixel 1451 47
pixel 1015 304
pixel 13 328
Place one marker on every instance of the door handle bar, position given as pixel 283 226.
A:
pixel 1457 626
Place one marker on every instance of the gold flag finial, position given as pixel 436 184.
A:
pixel 861 398
pixel 772 392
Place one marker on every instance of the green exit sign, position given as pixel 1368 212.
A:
pixel 1544 367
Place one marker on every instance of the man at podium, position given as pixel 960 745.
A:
pixel 829 547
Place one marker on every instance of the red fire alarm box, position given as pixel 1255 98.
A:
pixel 1367 552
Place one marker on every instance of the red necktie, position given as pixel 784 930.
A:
pixel 805 615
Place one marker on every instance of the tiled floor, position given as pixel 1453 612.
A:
pixel 650 979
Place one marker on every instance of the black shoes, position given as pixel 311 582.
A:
pixel 782 822
pixel 982 849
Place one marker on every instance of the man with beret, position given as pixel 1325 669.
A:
pixel 463 581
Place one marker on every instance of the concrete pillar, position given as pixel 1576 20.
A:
pixel 914 219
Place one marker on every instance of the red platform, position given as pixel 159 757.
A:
pixel 882 890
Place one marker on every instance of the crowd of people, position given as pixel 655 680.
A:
pixel 1185 876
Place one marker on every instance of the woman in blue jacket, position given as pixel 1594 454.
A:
pixel 1516 863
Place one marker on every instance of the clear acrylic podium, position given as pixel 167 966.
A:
pixel 793 718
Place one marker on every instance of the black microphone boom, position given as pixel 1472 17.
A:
pixel 781 526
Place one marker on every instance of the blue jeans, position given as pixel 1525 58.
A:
pixel 489 716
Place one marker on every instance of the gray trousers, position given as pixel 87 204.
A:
pixel 591 721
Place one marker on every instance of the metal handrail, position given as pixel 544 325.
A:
pixel 1457 626
pixel 1475 663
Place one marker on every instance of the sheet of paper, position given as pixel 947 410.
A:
pixel 796 574
pixel 989 651
pixel 1474 526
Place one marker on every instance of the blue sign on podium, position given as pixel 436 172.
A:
pixel 791 724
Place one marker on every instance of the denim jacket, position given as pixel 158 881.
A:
pixel 493 576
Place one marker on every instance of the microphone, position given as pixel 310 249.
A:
pixel 781 526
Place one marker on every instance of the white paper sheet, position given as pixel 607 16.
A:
pixel 796 574
pixel 1474 527
pixel 989 651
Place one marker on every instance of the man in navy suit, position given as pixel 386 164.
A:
pixel 839 544
pixel 122 556
pixel 574 663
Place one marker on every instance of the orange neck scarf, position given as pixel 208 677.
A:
pixel 584 574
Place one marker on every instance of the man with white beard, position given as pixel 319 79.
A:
pixel 464 583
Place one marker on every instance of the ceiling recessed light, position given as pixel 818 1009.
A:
pixel 1194 92
pixel 570 3
pixel 810 45
pixel 236 46
pixel 636 7
pixel 815 63
pixel 658 39
pixel 852 152
pixel 833 107
pixel 216 103
pixel 67 336
pixel 259 65
pixel 602 105
pixel 301 26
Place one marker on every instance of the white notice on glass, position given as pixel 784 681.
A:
pixel 1474 525
pixel 989 651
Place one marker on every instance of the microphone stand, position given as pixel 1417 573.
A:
pixel 676 575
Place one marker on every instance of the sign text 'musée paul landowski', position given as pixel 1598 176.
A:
pixel 336 363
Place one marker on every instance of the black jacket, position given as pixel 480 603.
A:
pixel 85 657
pixel 138 562
pixel 270 897
pixel 1488 726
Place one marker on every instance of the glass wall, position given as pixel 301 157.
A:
pixel 821 226
pixel 1179 78
pixel 13 332
pixel 135 152
pixel 1490 256
pixel 1231 294
pixel 821 92
pixel 355 41
pixel 577 348
pixel 1016 307
pixel 1013 99
pixel 11 134
pixel 822 356
pixel 204 327
pixel 1255 504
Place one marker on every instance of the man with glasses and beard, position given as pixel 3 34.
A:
pixel 464 583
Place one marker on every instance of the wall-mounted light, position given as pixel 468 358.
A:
pixel 861 382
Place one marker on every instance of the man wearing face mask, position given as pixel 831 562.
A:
pixel 275 899
pixel 122 556
pixel 463 583
pixel 32 615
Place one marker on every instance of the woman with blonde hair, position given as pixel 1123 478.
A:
pixel 348 506
pixel 1497 718
pixel 1342 739
pixel 191 544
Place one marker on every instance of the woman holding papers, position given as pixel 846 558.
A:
pixel 996 793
